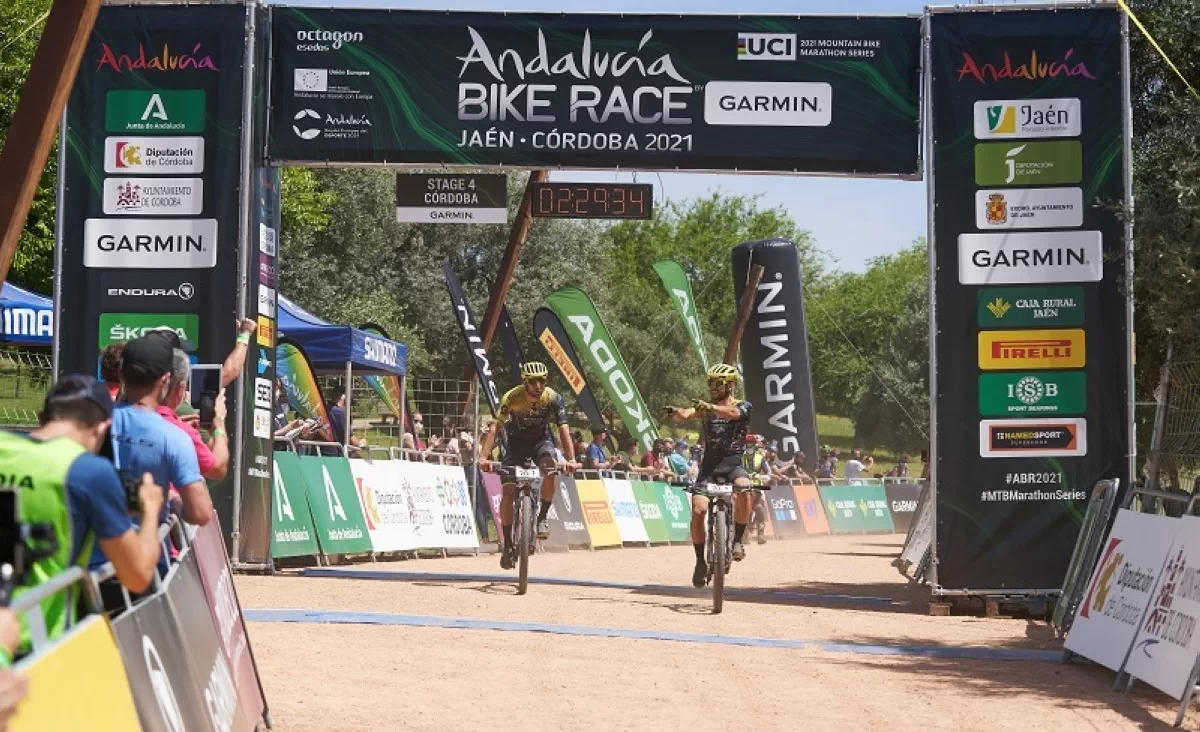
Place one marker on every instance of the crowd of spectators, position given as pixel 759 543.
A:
pixel 111 461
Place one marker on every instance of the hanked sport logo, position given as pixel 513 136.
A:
pixel 1000 118
pixel 766 47
pixel 768 103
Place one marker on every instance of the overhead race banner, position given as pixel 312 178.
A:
pixel 591 338
pixel 770 93
pixel 1032 351
pixel 774 349
pixel 679 289
pixel 471 337
pixel 554 339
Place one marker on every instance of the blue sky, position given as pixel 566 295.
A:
pixel 852 220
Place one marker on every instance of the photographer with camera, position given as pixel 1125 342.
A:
pixel 65 487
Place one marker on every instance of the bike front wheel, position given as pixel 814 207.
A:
pixel 719 536
pixel 523 544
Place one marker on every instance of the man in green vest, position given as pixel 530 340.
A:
pixel 61 482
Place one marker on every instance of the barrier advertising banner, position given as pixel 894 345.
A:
pixel 812 514
pixel 558 530
pixel 494 488
pixel 86 662
pixel 857 508
pixel 570 510
pixel 192 620
pixel 1166 646
pixel 651 511
pixel 155 662
pixel 784 514
pixel 810 94
pixel 292 529
pixel 442 516
pixel 902 500
pixel 226 610
pixel 598 513
pixel 1122 587
pixel 383 492
pixel 336 511
pixel 625 511
pixel 1027 113
pixel 677 511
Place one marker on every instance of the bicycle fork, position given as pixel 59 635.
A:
pixel 727 511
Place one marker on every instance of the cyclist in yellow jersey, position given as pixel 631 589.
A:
pixel 525 415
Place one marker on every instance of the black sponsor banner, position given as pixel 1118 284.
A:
pixel 509 340
pixel 1027 129
pixel 261 265
pixel 785 513
pixel 471 337
pixel 149 184
pixel 550 333
pixel 774 349
pixel 570 511
pixel 812 94
pixel 902 499
pixel 155 663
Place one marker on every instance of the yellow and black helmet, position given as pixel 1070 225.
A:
pixel 533 370
pixel 723 372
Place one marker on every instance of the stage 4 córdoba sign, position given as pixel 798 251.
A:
pixel 452 199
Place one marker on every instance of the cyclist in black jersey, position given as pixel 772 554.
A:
pixel 526 412
pixel 725 423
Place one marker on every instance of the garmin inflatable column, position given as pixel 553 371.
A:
pixel 774 350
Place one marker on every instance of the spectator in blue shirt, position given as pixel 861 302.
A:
pixel 597 457
pixel 678 459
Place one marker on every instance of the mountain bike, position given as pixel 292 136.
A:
pixel 524 514
pixel 718 539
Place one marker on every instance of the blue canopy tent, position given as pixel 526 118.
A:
pixel 334 349
pixel 28 318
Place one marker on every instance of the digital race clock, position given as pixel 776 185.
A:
pixel 592 200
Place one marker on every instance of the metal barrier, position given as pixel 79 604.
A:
pixel 1083 559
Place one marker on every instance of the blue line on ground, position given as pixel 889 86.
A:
pixel 284 615
pixel 732 592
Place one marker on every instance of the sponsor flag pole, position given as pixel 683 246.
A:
pixel 553 337
pixel 745 307
pixel 300 384
pixel 471 337
pixel 675 280
pixel 589 335
pixel 508 338
pixel 39 109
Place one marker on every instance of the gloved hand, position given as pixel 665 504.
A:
pixel 701 406
pixel 670 411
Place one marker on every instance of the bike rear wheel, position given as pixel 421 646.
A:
pixel 719 536
pixel 523 543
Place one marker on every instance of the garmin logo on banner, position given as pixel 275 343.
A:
pixel 774 339
pixel 477 349
pixel 622 385
pixel 1033 257
pixel 150 243
pixel 525 102
pixel 28 322
pixel 324 40
pixel 768 103
pixel 381 351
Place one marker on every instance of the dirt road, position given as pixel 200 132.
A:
pixel 817 634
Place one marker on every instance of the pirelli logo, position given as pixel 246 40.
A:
pixel 597 512
pixel 1001 350
pixel 562 360
pixel 1033 437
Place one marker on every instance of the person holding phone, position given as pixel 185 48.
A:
pixel 213 456
pixel 63 482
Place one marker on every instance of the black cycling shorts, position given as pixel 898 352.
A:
pixel 729 468
pixel 519 452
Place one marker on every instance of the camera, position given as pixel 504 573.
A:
pixel 21 544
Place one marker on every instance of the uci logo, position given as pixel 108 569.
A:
pixel 381 351
pixel 766 47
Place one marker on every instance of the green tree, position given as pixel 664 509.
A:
pixel 21 23
pixel 1166 187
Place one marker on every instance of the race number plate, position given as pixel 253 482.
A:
pixel 526 473
pixel 718 489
